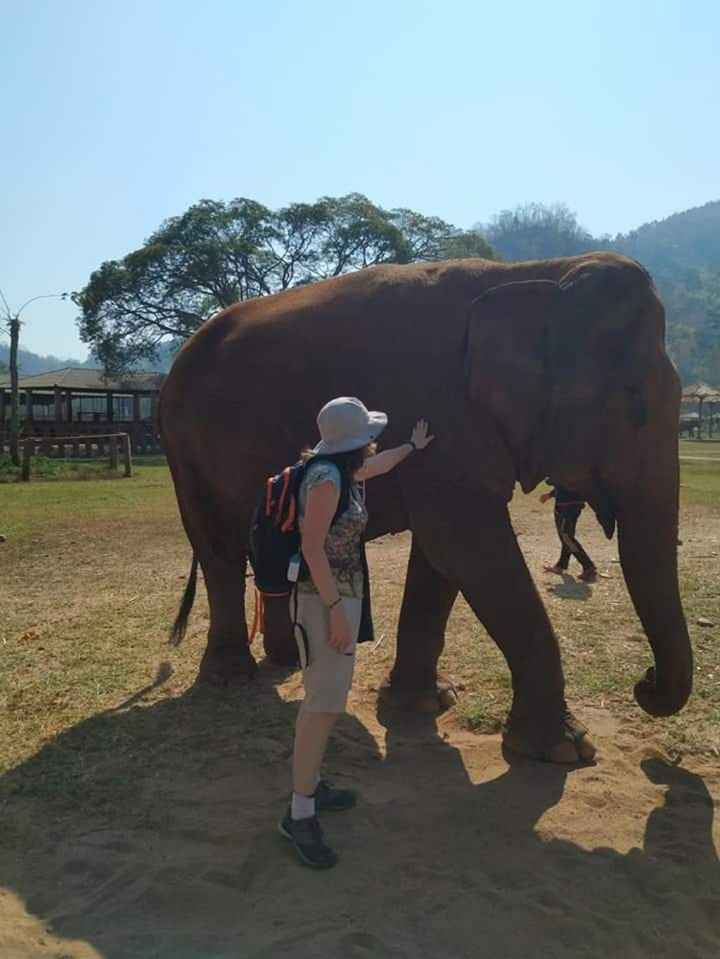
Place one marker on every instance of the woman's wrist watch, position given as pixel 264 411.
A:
pixel 412 443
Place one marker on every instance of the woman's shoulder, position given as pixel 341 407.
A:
pixel 321 472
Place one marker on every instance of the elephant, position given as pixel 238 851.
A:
pixel 550 369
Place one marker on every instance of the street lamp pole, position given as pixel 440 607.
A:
pixel 13 327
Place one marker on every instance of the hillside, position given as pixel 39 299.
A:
pixel 30 362
pixel 683 241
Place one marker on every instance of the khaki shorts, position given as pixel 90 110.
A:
pixel 327 674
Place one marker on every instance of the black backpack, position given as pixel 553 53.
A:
pixel 274 531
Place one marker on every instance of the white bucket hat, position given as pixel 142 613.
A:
pixel 346 424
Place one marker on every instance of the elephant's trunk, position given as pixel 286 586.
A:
pixel 647 532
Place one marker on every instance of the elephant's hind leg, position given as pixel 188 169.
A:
pixel 227 658
pixel 428 599
pixel 278 640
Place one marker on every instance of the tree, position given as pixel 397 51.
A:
pixel 218 253
pixel 535 231
pixel 467 243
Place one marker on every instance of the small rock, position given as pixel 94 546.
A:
pixel 702 621
pixel 3 539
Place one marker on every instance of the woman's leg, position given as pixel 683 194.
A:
pixel 327 677
pixel 312 732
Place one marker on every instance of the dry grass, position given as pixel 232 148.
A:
pixel 90 578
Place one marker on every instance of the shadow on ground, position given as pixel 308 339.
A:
pixel 571 588
pixel 150 832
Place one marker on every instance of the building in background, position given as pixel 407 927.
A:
pixel 84 402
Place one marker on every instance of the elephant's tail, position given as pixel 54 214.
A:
pixel 177 633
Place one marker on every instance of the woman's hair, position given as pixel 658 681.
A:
pixel 347 463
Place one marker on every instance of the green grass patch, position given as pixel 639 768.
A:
pixel 700 483
pixel 28 507
pixel 709 448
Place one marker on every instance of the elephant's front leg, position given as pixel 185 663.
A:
pixel 477 549
pixel 427 602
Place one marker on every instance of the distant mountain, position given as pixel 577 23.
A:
pixel 689 240
pixel 30 362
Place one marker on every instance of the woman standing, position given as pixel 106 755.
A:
pixel 330 601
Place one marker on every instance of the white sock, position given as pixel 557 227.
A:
pixel 302 807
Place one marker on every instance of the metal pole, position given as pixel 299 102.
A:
pixel 14 419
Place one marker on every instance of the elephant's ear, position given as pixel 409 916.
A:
pixel 508 366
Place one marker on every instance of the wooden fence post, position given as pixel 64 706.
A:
pixel 127 454
pixel 27 453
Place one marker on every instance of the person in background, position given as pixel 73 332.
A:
pixel 568 507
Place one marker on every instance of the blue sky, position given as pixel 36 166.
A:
pixel 115 115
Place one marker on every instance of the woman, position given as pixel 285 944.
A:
pixel 330 601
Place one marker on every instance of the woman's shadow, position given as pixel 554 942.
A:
pixel 150 831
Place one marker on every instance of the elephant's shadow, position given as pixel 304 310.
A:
pixel 183 859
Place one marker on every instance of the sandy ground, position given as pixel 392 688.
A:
pixel 453 851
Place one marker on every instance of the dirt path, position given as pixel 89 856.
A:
pixel 149 830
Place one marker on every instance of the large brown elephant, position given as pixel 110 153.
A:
pixel 553 368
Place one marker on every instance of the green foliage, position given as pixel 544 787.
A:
pixel 45 468
pixel 534 231
pixel 218 253
pixel 466 243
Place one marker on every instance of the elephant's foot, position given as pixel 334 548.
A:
pixel 573 743
pixel 443 695
pixel 278 640
pixel 229 665
pixel 282 654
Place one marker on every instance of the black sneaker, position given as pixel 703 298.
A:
pixel 307 838
pixel 330 799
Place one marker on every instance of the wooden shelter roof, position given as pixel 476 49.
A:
pixel 88 380
pixel 700 391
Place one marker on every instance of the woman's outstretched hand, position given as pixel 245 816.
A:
pixel 420 438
